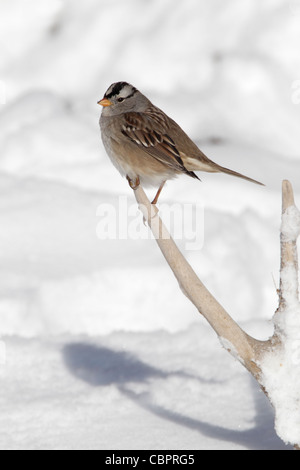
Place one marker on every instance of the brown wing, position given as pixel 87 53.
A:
pixel 150 132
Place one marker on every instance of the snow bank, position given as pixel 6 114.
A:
pixel 228 60
pixel 130 391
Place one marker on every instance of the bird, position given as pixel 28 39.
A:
pixel 146 145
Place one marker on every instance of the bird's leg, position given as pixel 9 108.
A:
pixel 158 193
pixel 134 184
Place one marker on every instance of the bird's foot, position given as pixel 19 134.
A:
pixel 154 202
pixel 134 184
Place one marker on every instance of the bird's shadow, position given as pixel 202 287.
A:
pixel 102 366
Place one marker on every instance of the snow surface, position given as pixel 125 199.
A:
pixel 99 348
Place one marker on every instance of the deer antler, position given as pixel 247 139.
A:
pixel 250 351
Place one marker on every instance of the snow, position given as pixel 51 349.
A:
pixel 290 226
pixel 280 370
pixel 99 348
pixel 131 391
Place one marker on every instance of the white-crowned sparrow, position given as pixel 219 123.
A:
pixel 145 144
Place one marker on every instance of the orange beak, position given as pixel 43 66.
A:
pixel 105 102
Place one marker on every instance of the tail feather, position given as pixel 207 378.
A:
pixel 204 164
pixel 221 169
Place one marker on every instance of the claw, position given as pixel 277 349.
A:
pixel 133 184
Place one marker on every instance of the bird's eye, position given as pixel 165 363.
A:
pixel 120 100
